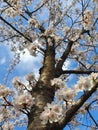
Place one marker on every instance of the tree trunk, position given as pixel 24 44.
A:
pixel 43 93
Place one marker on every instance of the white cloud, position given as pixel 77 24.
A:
pixel 29 63
pixel 66 65
pixel 3 60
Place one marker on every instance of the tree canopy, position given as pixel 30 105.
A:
pixel 60 32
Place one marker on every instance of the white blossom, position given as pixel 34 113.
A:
pixel 14 10
pixel 8 126
pixel 50 31
pixel 15 81
pixel 57 82
pixel 52 113
pixel 24 101
pixel 33 22
pixel 4 91
pixel 30 77
pixel 86 83
pixel 87 19
pixel 32 48
pixel 66 94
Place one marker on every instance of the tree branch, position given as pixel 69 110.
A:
pixel 87 108
pixel 14 9
pixel 15 29
pixel 67 52
pixel 36 9
pixel 73 110
pixel 77 72
pixel 64 56
pixel 91 116
pixel 28 39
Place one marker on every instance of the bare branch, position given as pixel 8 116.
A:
pixel 91 116
pixel 77 72
pixel 87 108
pixel 36 9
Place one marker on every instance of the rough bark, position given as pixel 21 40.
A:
pixel 47 72
pixel 43 93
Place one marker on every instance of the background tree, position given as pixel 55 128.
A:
pixel 61 31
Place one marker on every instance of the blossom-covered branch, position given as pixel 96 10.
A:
pixel 71 112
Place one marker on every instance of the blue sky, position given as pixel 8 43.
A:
pixel 27 64
pixel 4 62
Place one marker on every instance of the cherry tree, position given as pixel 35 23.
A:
pixel 61 31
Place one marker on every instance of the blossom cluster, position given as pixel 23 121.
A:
pixel 14 10
pixel 52 113
pixel 65 98
pixel 32 48
pixel 9 116
pixel 8 126
pixel 50 31
pixel 33 22
pixel 4 91
pixel 16 82
pixel 13 106
pixel 29 83
pixel 87 19
pixel 20 87
pixel 24 101
pixel 63 92
pixel 95 1
pixel 57 82
pixel 6 113
pixel 86 83
pixel 30 77
pixel 55 111
pixel 75 34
